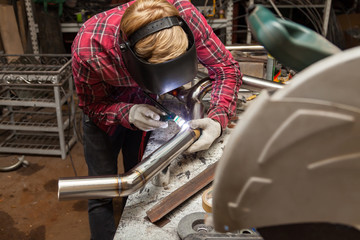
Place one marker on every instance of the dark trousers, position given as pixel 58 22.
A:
pixel 101 155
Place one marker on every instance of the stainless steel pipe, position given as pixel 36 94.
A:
pixel 246 48
pixel 130 182
pixel 248 81
pixel 259 83
pixel 195 97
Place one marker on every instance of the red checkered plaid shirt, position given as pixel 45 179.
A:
pixel 105 89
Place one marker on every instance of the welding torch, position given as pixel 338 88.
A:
pixel 170 116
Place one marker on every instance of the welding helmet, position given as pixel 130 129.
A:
pixel 160 78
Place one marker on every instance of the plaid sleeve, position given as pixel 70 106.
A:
pixel 222 67
pixel 93 97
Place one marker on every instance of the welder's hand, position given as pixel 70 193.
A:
pixel 146 117
pixel 211 130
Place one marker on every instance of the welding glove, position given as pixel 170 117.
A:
pixel 211 130
pixel 146 117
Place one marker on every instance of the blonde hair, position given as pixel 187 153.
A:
pixel 160 46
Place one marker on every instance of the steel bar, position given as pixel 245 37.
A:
pixel 181 194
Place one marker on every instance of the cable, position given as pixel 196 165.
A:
pixel 67 141
pixel 78 127
pixel 314 13
pixel 315 24
pixel 276 9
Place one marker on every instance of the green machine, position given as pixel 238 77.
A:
pixel 290 43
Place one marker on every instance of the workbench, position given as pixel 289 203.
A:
pixel 134 223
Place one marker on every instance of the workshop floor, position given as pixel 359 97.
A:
pixel 29 208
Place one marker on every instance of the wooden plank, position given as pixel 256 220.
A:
pixel 49 28
pixel 9 31
pixel 22 21
pixel 1 45
pixel 181 194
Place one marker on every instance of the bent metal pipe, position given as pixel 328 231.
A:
pixel 133 180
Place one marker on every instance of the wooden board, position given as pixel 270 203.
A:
pixel 1 45
pixel 177 197
pixel 49 28
pixel 22 21
pixel 9 31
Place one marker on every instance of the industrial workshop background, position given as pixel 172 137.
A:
pixel 40 123
pixel 38 21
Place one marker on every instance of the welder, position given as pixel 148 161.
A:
pixel 151 46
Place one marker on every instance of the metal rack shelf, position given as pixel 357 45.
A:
pixel 35 143
pixel 33 96
pixel 33 120
pixel 36 94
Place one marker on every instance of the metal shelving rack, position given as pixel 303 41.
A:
pixel 36 98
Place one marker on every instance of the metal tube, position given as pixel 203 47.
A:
pixel 21 162
pixel 130 182
pixel 195 96
pixel 249 81
pixel 246 48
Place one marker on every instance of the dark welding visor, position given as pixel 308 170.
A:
pixel 160 78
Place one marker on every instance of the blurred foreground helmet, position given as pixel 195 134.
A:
pixel 160 78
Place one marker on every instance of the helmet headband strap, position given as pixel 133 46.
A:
pixel 153 27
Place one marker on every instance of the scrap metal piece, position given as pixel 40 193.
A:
pixel 173 200
pixel 21 162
